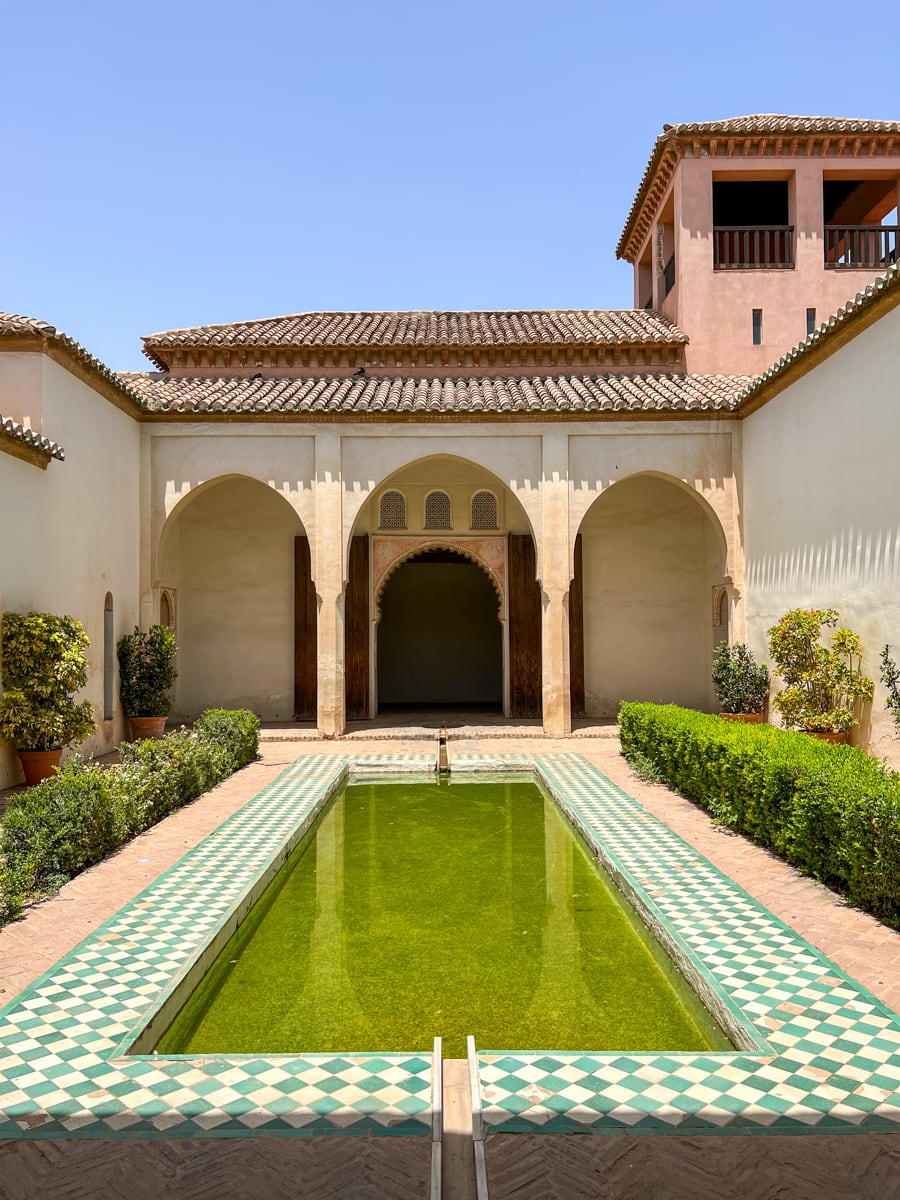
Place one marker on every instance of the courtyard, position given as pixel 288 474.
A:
pixel 521 1164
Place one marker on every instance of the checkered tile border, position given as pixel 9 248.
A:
pixel 63 1068
pixel 821 1053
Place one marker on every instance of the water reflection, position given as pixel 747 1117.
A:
pixel 421 910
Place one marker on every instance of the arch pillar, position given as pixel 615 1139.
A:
pixel 328 575
pixel 556 577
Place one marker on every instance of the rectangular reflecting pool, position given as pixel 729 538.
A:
pixel 414 910
pixel 813 1051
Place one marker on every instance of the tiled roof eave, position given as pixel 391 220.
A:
pixel 850 319
pixel 736 132
pixel 490 334
pixel 25 443
pixel 29 333
pixel 374 398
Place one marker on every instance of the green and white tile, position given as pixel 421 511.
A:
pixel 64 1070
pixel 820 1052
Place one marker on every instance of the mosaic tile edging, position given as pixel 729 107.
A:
pixel 829 1051
pixel 62 1073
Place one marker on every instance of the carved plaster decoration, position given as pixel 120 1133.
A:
pixel 389 553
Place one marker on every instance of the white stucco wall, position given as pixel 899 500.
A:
pixel 229 556
pixel 821 502
pixel 651 557
pixel 71 534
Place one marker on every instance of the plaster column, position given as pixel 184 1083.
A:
pixel 556 577
pixel 328 577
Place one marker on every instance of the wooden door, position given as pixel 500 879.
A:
pixel 524 629
pixel 576 634
pixel 305 649
pixel 356 631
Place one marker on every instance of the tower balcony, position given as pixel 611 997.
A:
pixel 746 248
pixel 875 247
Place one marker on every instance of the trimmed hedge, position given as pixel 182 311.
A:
pixel 71 821
pixel 831 811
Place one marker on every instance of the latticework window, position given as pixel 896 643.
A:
pixel 437 511
pixel 484 510
pixel 393 511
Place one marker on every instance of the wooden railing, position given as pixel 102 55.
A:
pixel 737 248
pixel 872 246
pixel 669 276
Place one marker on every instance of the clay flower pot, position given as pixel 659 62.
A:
pixel 39 765
pixel 747 718
pixel 827 735
pixel 147 727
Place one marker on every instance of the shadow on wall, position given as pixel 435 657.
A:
pixel 867 558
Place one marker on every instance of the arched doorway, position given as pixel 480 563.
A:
pixel 439 638
pixel 228 551
pixel 449 504
pixel 652 568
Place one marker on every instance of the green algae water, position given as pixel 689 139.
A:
pixel 422 909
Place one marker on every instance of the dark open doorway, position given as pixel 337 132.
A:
pixel 440 640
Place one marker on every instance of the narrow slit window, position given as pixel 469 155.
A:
pixel 437 511
pixel 810 321
pixel 109 648
pixel 757 327
pixel 393 511
pixel 484 510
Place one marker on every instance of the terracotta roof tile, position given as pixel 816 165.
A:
pixel 372 396
pixel 13 325
pixel 507 328
pixel 28 437
pixel 755 126
pixel 761 123
pixel 888 283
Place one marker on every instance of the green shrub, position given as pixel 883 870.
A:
pixel 54 830
pixel 824 685
pixel 236 731
pixel 831 811
pixel 890 677
pixel 147 671
pixel 44 664
pixel 742 684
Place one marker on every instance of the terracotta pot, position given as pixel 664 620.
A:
pixel 747 718
pixel 827 735
pixel 147 727
pixel 39 764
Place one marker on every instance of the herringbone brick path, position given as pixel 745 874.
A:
pixel 834 1167
pixel 252 1168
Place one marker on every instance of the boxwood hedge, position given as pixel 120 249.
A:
pixel 51 832
pixel 831 811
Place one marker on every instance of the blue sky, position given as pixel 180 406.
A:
pixel 189 163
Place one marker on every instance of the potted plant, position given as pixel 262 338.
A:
pixel 146 674
pixel 890 677
pixel 741 683
pixel 42 658
pixel 824 684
